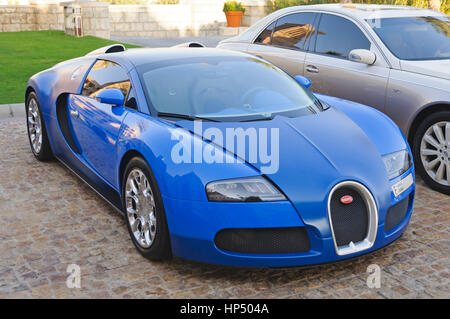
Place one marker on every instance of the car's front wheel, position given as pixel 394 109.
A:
pixel 144 211
pixel 431 147
pixel 37 133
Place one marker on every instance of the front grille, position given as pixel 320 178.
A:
pixel 350 222
pixel 263 240
pixel 396 214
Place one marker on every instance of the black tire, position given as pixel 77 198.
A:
pixel 45 152
pixel 160 249
pixel 428 122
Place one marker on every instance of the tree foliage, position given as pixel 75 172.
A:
pixel 279 4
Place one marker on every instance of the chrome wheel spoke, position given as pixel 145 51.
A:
pixel 429 152
pixel 432 164
pixel 430 140
pixel 135 184
pixel 440 171
pixel 135 225
pixel 438 132
pixel 448 173
pixel 447 133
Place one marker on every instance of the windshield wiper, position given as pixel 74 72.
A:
pixel 184 116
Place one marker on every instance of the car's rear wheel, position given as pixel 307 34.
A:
pixel 37 133
pixel 144 211
pixel 431 147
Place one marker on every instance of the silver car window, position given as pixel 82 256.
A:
pixel 337 36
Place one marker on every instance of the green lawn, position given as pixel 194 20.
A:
pixel 23 54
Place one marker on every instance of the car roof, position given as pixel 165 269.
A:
pixel 367 11
pixel 142 56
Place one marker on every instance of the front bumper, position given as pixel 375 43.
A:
pixel 193 226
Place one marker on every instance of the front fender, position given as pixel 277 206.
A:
pixel 185 181
pixel 382 131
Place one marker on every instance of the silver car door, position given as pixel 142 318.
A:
pixel 284 41
pixel 330 71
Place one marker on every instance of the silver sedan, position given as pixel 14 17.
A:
pixel 393 58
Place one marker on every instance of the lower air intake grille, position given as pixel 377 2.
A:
pixel 396 214
pixel 264 240
pixel 350 222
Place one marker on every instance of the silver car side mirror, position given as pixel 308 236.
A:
pixel 362 56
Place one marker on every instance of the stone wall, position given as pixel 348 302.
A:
pixel 95 18
pixel 31 18
pixel 255 10
pixel 199 17
pixel 189 18
pixel 150 20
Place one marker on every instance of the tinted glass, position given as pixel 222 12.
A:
pixel 264 37
pixel 416 38
pixel 224 88
pixel 131 100
pixel 105 75
pixel 294 30
pixel 338 36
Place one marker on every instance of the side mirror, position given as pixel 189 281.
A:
pixel 362 56
pixel 111 96
pixel 303 80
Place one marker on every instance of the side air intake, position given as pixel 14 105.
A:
pixel 189 45
pixel 108 49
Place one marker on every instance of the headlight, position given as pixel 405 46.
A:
pixel 397 163
pixel 251 189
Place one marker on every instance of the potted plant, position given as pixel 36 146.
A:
pixel 233 11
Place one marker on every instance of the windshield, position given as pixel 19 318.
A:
pixel 416 38
pixel 224 88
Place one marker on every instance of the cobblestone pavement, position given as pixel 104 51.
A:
pixel 49 219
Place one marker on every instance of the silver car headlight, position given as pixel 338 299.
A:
pixel 251 189
pixel 397 163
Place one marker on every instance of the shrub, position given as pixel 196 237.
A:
pixel 233 6
pixel 280 4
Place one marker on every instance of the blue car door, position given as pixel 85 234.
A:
pixel 96 126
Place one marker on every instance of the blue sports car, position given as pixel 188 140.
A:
pixel 221 157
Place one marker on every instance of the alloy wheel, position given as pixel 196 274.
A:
pixel 140 208
pixel 435 152
pixel 34 125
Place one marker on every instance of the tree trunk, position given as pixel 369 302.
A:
pixel 434 5
pixel 345 1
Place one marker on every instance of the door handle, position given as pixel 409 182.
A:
pixel 74 114
pixel 312 69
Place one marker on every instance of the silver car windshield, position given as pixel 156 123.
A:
pixel 415 38
pixel 224 89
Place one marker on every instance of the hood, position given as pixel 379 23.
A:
pixel 434 68
pixel 315 153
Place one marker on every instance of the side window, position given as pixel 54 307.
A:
pixel 131 100
pixel 294 30
pixel 338 36
pixel 104 75
pixel 266 35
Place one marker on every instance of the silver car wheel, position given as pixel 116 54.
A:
pixel 34 125
pixel 435 152
pixel 140 207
